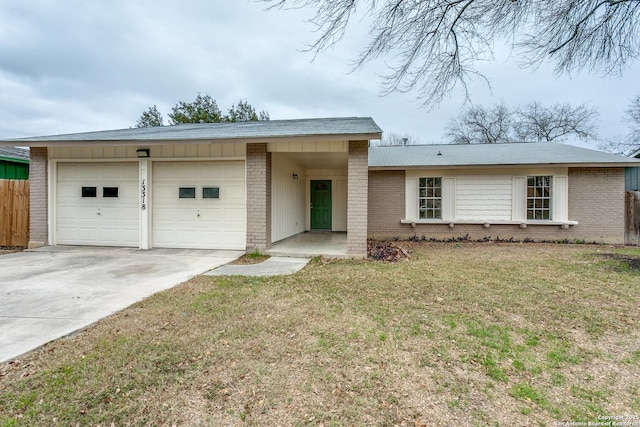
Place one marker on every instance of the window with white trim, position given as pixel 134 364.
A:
pixel 430 197
pixel 539 197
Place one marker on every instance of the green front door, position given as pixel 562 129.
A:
pixel 321 205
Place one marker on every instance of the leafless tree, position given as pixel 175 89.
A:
pixel 631 142
pixel 632 115
pixel 533 122
pixel 433 45
pixel 536 123
pixel 478 125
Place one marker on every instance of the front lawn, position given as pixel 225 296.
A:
pixel 462 334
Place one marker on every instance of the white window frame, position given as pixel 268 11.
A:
pixel 430 195
pixel 539 198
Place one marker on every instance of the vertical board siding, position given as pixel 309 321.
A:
pixel 519 210
pixel 632 179
pixel 288 197
pixel 632 218
pixel 560 195
pixel 14 212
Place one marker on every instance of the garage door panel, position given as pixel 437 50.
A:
pixel 199 223
pixel 101 221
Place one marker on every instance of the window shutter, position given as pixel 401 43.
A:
pixel 560 198
pixel 411 199
pixel 448 199
pixel 519 199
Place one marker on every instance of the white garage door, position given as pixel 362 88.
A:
pixel 199 205
pixel 97 204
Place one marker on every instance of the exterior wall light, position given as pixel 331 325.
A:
pixel 142 152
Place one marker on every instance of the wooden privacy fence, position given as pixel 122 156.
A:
pixel 14 212
pixel 632 218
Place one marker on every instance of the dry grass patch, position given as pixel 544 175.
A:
pixel 463 334
pixel 10 249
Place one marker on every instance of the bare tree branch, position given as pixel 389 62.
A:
pixel 433 46
pixel 533 122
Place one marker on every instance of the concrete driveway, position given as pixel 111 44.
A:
pixel 50 292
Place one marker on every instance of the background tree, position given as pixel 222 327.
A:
pixel 433 45
pixel 244 112
pixel 533 122
pixel 203 109
pixel 150 118
pixel 478 125
pixel 632 115
pixel 631 141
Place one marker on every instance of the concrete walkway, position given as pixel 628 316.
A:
pixel 273 266
pixel 53 291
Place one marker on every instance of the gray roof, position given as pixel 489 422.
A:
pixel 544 153
pixel 352 127
pixel 14 153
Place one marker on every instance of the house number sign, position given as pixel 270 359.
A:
pixel 143 194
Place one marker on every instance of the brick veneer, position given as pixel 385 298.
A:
pixel 357 196
pixel 38 198
pixel 258 164
pixel 386 202
pixel 596 201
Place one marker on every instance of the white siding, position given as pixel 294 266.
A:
pixel 287 198
pixel 486 197
pixel 170 151
pixel 308 146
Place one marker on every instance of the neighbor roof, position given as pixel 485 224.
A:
pixel 20 155
pixel 351 127
pixel 544 153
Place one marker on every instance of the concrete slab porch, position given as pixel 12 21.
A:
pixel 310 244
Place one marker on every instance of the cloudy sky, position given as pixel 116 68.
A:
pixel 75 65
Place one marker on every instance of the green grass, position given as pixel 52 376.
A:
pixel 467 334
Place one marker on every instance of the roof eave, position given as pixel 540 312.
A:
pixel 15 160
pixel 37 142
pixel 511 165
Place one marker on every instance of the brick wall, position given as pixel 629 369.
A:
pixel 357 196
pixel 596 201
pixel 38 198
pixel 386 203
pixel 258 164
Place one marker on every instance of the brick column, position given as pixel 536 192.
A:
pixel 258 197
pixel 38 197
pixel 357 198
